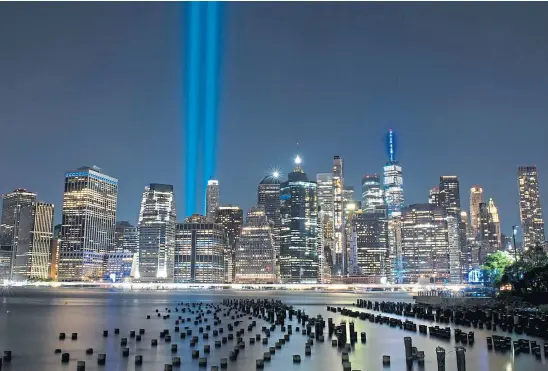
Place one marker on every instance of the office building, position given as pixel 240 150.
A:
pixel 530 210
pixel 156 229
pixel 32 260
pixel 372 243
pixel 298 235
pixel 393 178
pixel 54 252
pixel 268 192
pixel 88 223
pixel 476 198
pixel 255 254
pixel 372 194
pixel 12 204
pixel 339 244
pixel 119 266
pixel 494 219
pixel 430 245
pixel 213 199
pixel 449 195
pixel 326 222
pixel 489 233
pixel 348 193
pixel 199 251
pixel 231 218
pixel 126 237
pixel 434 196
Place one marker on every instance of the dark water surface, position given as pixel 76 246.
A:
pixel 37 316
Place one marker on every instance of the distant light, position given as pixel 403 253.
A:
pixel 275 174
pixel 298 160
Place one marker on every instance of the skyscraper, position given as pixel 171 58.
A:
pixel 231 218
pixel 12 204
pixel 298 236
pixel 255 253
pixel 434 196
pixel 476 198
pixel 494 219
pixel 156 227
pixel 125 237
pixel 489 233
pixel 268 192
pixel 199 251
pixel 88 223
pixel 372 243
pixel 530 210
pixel 212 198
pixel 54 252
pixel 393 177
pixel 34 242
pixel 372 195
pixel 339 244
pixel 348 193
pixel 325 194
pixel 449 196
pixel 430 245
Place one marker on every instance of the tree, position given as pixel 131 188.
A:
pixel 495 264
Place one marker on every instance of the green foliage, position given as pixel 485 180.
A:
pixel 495 265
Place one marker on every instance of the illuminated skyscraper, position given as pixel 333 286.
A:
pixel 88 223
pixel 393 178
pixel 156 227
pixel 495 220
pixel 54 252
pixel 430 245
pixel 268 192
pixel 489 233
pixel 255 253
pixel 199 251
pixel 212 198
pixel 126 237
pixel 476 198
pixel 372 243
pixel 35 238
pixel 530 209
pixel 449 196
pixel 324 182
pixel 299 245
pixel 372 195
pixel 339 244
pixel 434 196
pixel 348 193
pixel 231 218
pixel 12 204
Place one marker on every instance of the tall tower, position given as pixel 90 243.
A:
pixel 255 252
pixel 434 196
pixel 231 218
pixel 298 236
pixel 88 223
pixel 372 244
pixel 530 210
pixel 35 239
pixel 494 219
pixel 476 198
pixel 156 226
pixel 393 177
pixel 339 244
pixel 268 197
pixel 372 194
pixel 12 204
pixel 325 193
pixel 449 196
pixel 212 198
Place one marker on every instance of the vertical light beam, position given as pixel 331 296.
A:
pixel 192 109
pixel 211 90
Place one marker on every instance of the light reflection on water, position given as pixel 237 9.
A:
pixel 36 318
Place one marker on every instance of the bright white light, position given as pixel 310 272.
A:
pixel 275 174
pixel 298 160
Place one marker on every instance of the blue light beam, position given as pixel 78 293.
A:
pixel 212 64
pixel 192 111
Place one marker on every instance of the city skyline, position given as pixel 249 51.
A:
pixel 477 110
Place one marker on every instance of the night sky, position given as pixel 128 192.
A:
pixel 464 85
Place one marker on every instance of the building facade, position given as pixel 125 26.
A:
pixel 231 218
pixel 372 243
pixel 476 198
pixel 12 204
pixel 298 236
pixel 339 239
pixel 393 178
pixel 156 229
pixel 268 197
pixel 88 223
pixel 530 210
pixel 32 260
pixel 449 195
pixel 200 245
pixel 434 196
pixel 372 193
pixel 255 251
pixel 213 198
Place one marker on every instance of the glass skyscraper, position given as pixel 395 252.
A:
pixel 156 227
pixel 299 212
pixel 231 218
pixel 88 223
pixel 372 243
pixel 212 198
pixel 339 240
pixel 372 194
pixel 449 195
pixel 530 210
pixel 268 197
pixel 393 178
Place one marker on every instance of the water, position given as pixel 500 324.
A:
pixel 37 316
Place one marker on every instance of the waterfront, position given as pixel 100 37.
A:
pixel 37 316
